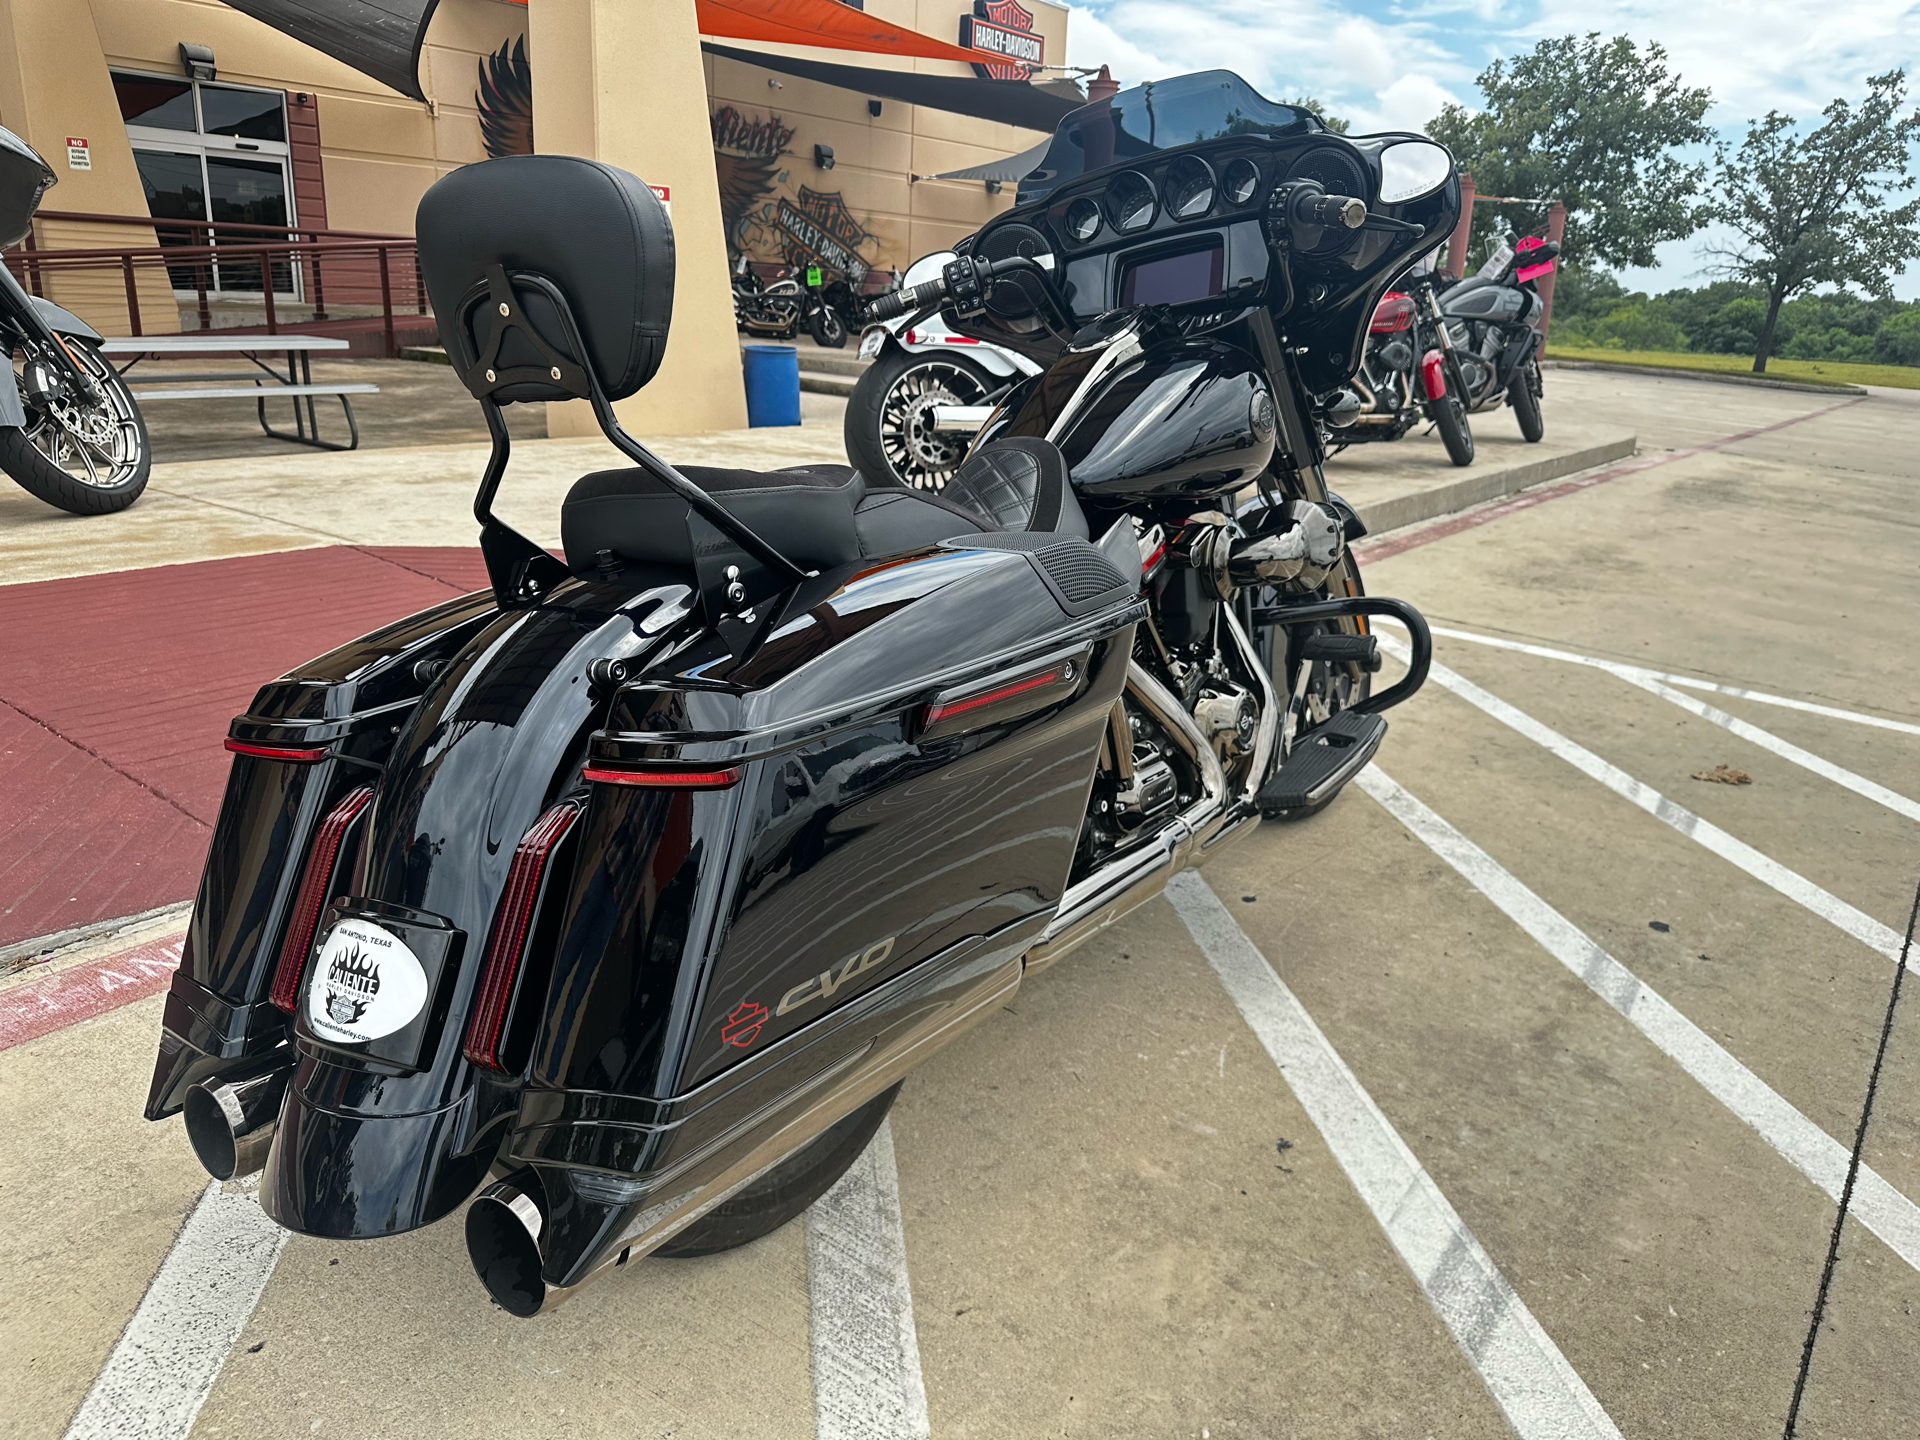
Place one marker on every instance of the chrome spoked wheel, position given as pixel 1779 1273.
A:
pixel 919 454
pixel 95 439
pixel 84 447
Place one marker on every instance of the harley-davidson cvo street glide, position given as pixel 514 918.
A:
pixel 632 888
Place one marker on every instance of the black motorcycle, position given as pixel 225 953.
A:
pixel 779 309
pixel 633 887
pixel 1405 376
pixel 70 432
pixel 1491 331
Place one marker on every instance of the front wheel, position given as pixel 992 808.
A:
pixel 786 1190
pixel 827 328
pixel 1523 394
pixel 1450 418
pixel 84 453
pixel 890 433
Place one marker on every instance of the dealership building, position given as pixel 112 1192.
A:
pixel 849 138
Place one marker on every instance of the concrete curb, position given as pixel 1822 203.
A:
pixel 1716 377
pixel 1475 489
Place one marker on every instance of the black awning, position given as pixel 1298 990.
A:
pixel 1010 102
pixel 381 38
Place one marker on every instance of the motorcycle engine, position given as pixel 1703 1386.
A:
pixel 1396 354
pixel 1476 362
pixel 1295 545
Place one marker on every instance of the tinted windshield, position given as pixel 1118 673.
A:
pixel 1160 115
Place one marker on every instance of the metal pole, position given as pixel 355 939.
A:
pixel 1462 231
pixel 133 294
pixel 386 302
pixel 266 290
pixel 1556 227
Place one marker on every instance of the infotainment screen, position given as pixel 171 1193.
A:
pixel 1172 279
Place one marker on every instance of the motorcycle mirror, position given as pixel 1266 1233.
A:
pixel 1412 169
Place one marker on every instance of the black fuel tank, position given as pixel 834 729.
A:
pixel 1186 420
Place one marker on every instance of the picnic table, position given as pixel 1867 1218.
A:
pixel 263 382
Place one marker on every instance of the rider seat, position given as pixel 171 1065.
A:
pixel 820 515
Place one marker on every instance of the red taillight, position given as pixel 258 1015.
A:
pixel 659 778
pixel 312 896
pixel 507 945
pixel 298 754
pixel 938 712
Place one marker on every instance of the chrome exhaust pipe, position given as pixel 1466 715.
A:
pixel 231 1118
pixel 504 1226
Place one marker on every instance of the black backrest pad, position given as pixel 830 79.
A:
pixel 597 232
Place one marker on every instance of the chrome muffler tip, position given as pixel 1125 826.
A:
pixel 230 1120
pixel 504 1225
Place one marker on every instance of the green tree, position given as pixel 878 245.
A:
pixel 1314 107
pixel 1897 342
pixel 1814 210
pixel 1594 124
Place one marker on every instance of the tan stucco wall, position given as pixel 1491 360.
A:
pixel 875 156
pixel 590 98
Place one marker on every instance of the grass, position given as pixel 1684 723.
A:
pixel 1814 372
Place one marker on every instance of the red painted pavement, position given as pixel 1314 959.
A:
pixel 37 1007
pixel 116 690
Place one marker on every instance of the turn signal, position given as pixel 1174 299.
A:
pixel 718 778
pixel 298 754
pixel 312 896
pixel 507 945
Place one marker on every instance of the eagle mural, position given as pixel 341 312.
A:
pixel 505 101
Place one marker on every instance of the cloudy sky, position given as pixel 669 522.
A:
pixel 1388 65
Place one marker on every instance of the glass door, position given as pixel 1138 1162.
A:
pixel 218 153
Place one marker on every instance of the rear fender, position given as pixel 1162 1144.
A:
pixel 388 1132
pixel 348 705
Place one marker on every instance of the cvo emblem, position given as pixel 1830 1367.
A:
pixel 743 1023
pixel 823 985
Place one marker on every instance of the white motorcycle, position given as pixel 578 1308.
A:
pixel 916 408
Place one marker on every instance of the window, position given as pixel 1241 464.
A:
pixel 212 152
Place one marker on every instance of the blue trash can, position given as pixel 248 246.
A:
pixel 773 384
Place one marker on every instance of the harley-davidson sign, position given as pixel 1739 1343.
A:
pixel 1003 29
pixel 818 229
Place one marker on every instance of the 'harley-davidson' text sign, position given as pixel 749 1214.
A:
pixel 1003 29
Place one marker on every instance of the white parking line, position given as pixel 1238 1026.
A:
pixel 1531 1381
pixel 866 1356
pixel 1796 887
pixel 1654 683
pixel 1808 1148
pixel 171 1352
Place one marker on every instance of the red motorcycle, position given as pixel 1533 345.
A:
pixel 1404 377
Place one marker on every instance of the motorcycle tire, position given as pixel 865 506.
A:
pixel 827 328
pixel 1526 404
pixel 1450 418
pixel 37 457
pixel 888 430
pixel 785 1191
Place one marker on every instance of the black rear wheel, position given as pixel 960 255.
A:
pixel 1523 394
pixel 785 1191
pixel 83 450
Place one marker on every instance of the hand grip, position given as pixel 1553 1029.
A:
pixel 901 302
pixel 1341 212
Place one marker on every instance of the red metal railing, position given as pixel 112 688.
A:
pixel 233 261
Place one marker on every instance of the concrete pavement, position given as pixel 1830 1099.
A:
pixel 1121 1219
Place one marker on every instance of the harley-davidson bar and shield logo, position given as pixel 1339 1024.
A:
pixel 1003 29
pixel 818 229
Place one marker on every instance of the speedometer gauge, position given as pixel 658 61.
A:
pixel 1243 179
pixel 1130 204
pixel 1189 188
pixel 1083 219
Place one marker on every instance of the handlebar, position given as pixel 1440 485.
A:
pixel 896 303
pixel 1337 212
